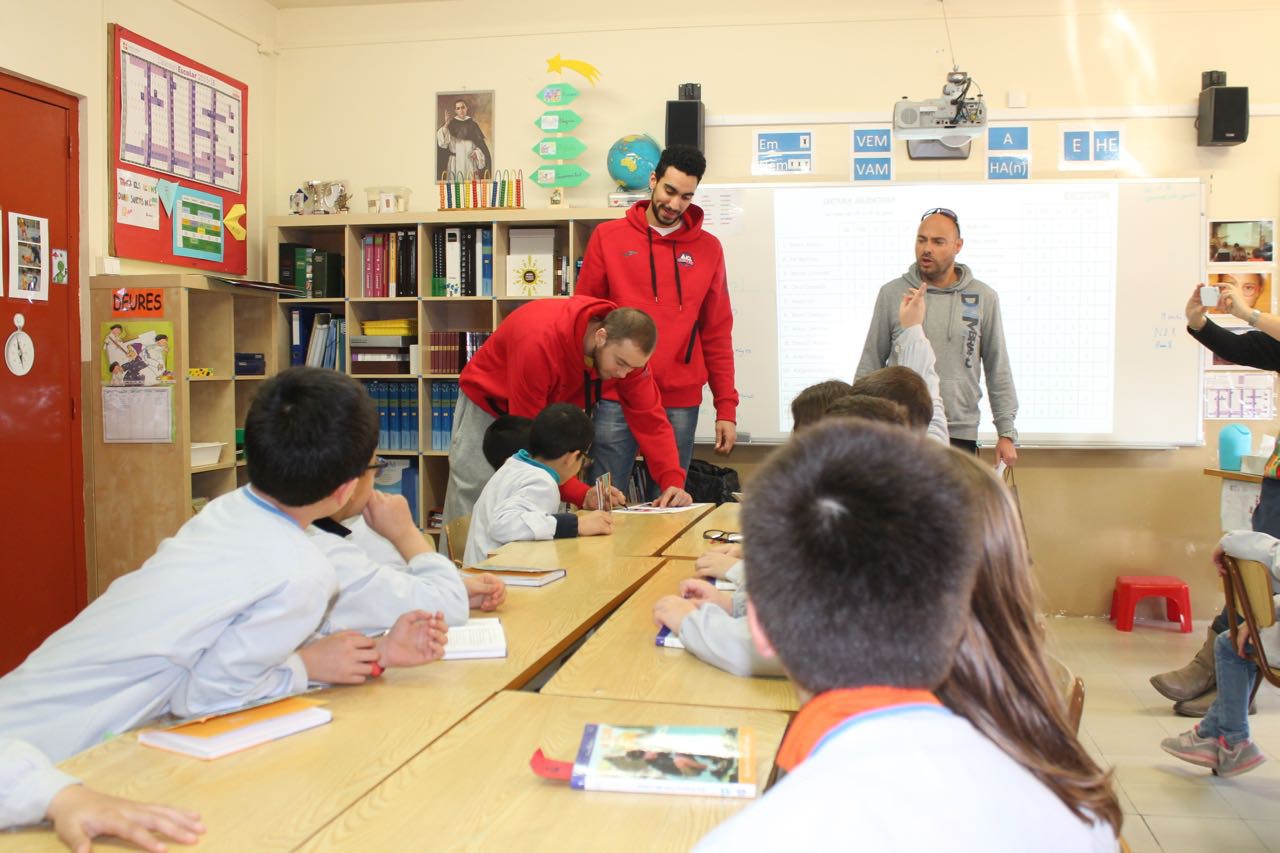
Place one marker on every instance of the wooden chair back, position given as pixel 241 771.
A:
pixel 455 533
pixel 1247 584
pixel 1072 689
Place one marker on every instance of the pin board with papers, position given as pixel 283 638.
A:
pixel 178 158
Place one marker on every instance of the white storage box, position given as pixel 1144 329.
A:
pixel 206 452
pixel 1252 464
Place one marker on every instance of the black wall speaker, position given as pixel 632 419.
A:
pixel 684 123
pixel 1224 116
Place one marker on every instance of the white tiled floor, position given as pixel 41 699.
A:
pixel 1169 806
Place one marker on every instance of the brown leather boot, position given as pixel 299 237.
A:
pixel 1194 679
pixel 1199 706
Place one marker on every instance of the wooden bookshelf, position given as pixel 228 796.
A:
pixel 343 232
pixel 143 492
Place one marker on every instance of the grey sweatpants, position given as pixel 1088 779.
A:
pixel 468 469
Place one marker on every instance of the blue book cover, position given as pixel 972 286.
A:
pixel 486 261
pixel 409 488
pixel 435 415
pixel 413 416
pixel 384 417
pixel 393 416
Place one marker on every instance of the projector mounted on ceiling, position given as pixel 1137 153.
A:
pixel 952 120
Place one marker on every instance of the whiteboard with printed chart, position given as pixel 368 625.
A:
pixel 1093 278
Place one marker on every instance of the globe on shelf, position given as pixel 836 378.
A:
pixel 631 160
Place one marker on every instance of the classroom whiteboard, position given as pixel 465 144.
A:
pixel 1093 277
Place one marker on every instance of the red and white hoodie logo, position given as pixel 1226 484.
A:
pixel 685 259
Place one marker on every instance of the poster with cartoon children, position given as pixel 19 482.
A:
pixel 137 352
pixel 28 257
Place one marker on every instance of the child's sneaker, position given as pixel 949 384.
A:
pixel 1190 747
pixel 1241 758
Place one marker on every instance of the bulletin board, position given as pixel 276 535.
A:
pixel 178 164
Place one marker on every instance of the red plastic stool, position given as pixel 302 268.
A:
pixel 1132 589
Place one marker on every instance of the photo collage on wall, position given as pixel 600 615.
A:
pixel 1240 253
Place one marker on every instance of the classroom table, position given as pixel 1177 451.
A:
pixel 634 535
pixel 473 789
pixel 654 672
pixel 274 796
pixel 691 544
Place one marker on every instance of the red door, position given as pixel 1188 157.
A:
pixel 42 571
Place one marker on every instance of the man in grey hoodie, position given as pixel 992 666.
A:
pixel 963 325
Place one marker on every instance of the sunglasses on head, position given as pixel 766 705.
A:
pixel 947 212
pixel 722 536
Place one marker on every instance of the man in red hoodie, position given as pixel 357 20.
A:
pixel 561 351
pixel 659 259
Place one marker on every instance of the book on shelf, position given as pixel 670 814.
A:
pixel 484 250
pixel 328 279
pixel 696 760
pixel 479 638
pixel 286 254
pixel 531 262
pixel 396 326
pixel 379 360
pixel 444 396
pixel 224 734
pixel 452 262
pixel 397 404
pixel 383 340
pixel 518 577
pixel 439 276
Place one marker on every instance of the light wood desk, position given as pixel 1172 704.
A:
pixel 634 535
pixel 656 673
pixel 691 544
pixel 473 788
pixel 274 796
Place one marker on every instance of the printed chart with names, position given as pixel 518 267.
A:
pixel 1244 395
pixel 178 120
pixel 1049 251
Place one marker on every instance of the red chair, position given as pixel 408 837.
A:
pixel 1132 589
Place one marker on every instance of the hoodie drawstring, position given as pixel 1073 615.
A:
pixel 588 386
pixel 653 271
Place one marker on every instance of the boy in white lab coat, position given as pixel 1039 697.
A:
pixel 385 565
pixel 520 502
pixel 227 610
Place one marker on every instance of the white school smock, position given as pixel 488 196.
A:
pixel 517 504
pixel 372 595
pixel 909 779
pixel 211 621
pixel 28 781
pixel 912 349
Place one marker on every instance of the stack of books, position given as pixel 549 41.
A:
pixel 397 414
pixel 450 351
pixel 462 262
pixel 384 346
pixel 389 261
pixel 313 273
pixel 444 396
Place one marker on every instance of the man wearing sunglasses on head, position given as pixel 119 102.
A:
pixel 962 323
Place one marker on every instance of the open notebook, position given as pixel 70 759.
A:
pixel 479 638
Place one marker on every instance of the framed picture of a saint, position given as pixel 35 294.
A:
pixel 464 134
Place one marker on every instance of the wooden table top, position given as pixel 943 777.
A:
pixel 1234 475
pixel 691 544
pixel 654 672
pixel 274 796
pixel 633 535
pixel 473 789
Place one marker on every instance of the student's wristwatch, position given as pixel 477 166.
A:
pixel 1254 317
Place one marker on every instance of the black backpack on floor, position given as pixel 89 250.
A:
pixel 708 483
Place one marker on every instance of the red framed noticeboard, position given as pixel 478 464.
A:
pixel 179 165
